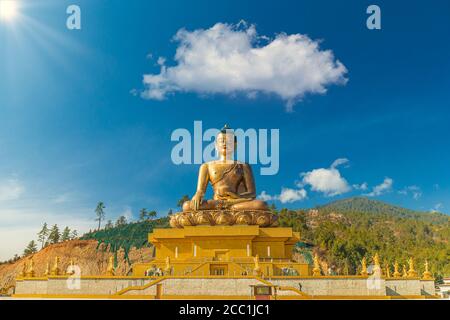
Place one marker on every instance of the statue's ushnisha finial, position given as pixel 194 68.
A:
pixel 225 128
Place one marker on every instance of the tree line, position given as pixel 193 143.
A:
pixel 100 214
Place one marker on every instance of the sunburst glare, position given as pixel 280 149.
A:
pixel 8 10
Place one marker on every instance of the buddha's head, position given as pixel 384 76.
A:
pixel 226 142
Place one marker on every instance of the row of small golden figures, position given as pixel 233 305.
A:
pixel 410 273
pixel 29 272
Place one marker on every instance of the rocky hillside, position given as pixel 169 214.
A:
pixel 91 259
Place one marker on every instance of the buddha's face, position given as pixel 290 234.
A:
pixel 225 143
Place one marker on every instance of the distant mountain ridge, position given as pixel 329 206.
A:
pixel 371 206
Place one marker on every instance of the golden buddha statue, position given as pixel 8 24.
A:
pixel 234 200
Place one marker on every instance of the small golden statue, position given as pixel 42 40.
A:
pixel 376 260
pixel 257 268
pixel 316 270
pixel 71 268
pixel 168 268
pixel 47 269
pixel 30 272
pixel 411 272
pixel 234 200
pixel 405 273
pixel 55 269
pixel 364 267
pixel 110 268
pixel 397 273
pixel 427 274
pixel 387 270
pixel 23 272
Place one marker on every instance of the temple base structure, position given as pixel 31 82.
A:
pixel 237 250
pixel 224 262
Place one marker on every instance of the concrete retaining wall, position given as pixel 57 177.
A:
pixel 334 287
pixel 185 286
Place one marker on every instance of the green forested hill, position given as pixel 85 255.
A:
pixel 343 232
pixel 370 206
pixel 126 236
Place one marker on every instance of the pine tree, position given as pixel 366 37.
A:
pixel 54 235
pixel 170 212
pixel 31 248
pixel 43 234
pixel 152 214
pixel 73 234
pixel 66 234
pixel 143 214
pixel 100 213
pixel 109 225
pixel 122 220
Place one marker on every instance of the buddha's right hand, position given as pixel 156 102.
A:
pixel 196 201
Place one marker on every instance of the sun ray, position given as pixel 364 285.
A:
pixel 9 10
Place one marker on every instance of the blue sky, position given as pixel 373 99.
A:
pixel 73 131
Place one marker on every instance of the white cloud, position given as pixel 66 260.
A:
pixel 384 187
pixel 437 208
pixel 62 198
pixel 363 186
pixel 414 190
pixel 328 181
pixel 127 213
pixel 287 195
pixel 229 59
pixel 11 189
pixel 339 162
pixel 266 197
pixel 19 225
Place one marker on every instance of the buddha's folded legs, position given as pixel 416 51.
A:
pixel 238 204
